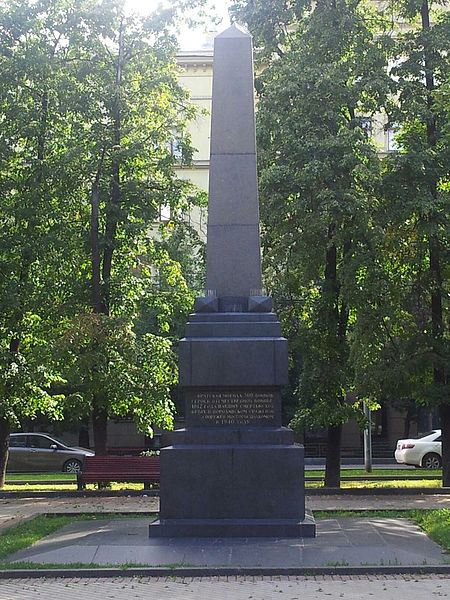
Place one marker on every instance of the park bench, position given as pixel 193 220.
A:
pixel 133 469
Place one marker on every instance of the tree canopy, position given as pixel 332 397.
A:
pixel 89 107
pixel 355 244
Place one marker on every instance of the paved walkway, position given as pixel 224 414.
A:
pixel 343 542
pixel 232 588
pixel 339 542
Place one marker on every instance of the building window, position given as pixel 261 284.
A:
pixel 176 145
pixel 164 213
pixel 391 142
pixel 176 149
pixel 366 125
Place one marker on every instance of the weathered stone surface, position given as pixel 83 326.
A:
pixel 263 482
pixel 262 304
pixel 243 361
pixel 233 247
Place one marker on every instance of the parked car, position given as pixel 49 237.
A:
pixel 42 452
pixel 424 451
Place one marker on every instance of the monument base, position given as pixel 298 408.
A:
pixel 233 489
pixel 267 528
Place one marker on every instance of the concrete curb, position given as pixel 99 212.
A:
pixel 308 492
pixel 86 573
pixel 377 491
pixel 80 494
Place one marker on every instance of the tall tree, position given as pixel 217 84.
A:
pixel 319 174
pixel 140 108
pixel 34 258
pixel 88 106
pixel 410 354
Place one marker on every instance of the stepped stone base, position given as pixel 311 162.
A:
pixel 233 490
pixel 270 528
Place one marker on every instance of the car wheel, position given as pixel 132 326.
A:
pixel 72 466
pixel 431 461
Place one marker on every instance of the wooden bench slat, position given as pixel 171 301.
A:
pixel 145 469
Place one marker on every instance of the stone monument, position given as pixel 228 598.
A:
pixel 234 471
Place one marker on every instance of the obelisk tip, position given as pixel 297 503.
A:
pixel 235 31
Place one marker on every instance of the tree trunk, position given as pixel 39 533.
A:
pixel 333 459
pixel 113 208
pixel 5 430
pixel 98 305
pixel 407 426
pixel 99 423
pixel 83 434
pixel 444 411
pixel 101 290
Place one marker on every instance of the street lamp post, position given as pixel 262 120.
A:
pixel 368 439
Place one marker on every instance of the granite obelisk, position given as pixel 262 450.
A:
pixel 234 471
pixel 233 248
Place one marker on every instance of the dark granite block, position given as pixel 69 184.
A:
pixel 234 528
pixel 232 482
pixel 281 363
pixel 232 317
pixel 256 361
pixel 229 436
pixel 260 304
pixel 235 175
pixel 233 112
pixel 206 304
pixel 233 260
pixel 232 329
pixel 232 304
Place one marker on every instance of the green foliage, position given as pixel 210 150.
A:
pixel 89 107
pixel 24 388
pixel 402 348
pixel 119 372
pixel 319 183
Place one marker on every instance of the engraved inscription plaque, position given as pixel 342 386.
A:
pixel 233 407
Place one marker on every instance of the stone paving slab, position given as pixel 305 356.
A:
pixel 235 588
pixel 345 542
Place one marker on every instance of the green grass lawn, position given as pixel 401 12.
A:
pixel 26 534
pixel 396 473
pixel 389 483
pixel 40 476
pixel 395 478
pixel 39 487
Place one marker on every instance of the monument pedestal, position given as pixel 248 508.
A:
pixel 234 471
pixel 233 490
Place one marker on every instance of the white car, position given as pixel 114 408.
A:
pixel 425 451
